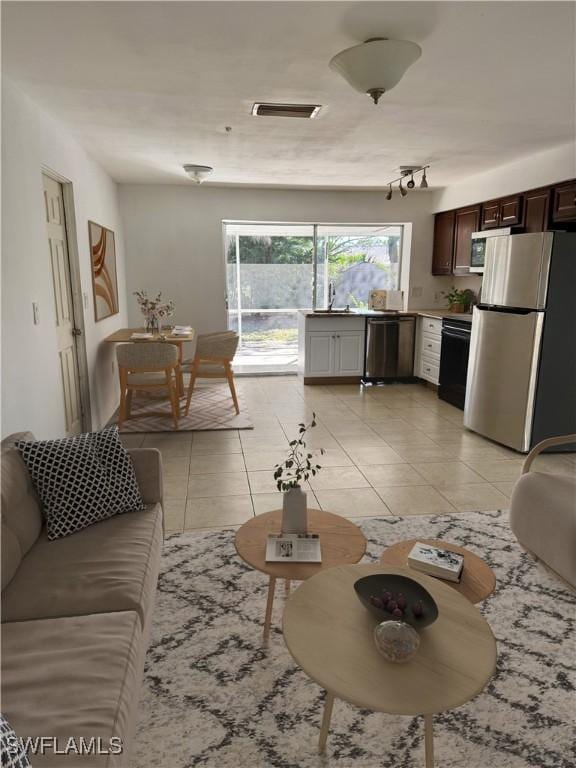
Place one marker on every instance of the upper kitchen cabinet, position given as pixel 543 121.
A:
pixel 536 210
pixel 443 243
pixel 466 221
pixel 505 212
pixel 564 202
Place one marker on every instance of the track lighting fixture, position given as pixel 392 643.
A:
pixel 405 172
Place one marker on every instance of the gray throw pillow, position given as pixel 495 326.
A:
pixel 81 480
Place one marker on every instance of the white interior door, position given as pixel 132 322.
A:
pixel 62 286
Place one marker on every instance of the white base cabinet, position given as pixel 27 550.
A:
pixel 331 347
pixel 428 344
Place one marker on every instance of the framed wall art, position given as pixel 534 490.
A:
pixel 104 279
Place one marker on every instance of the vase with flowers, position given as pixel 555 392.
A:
pixel 154 310
pixel 290 475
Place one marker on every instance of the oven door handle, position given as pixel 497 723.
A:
pixel 464 336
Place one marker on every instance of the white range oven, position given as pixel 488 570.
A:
pixel 478 247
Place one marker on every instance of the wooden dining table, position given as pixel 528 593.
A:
pixel 124 336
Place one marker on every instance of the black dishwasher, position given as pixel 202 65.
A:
pixel 454 361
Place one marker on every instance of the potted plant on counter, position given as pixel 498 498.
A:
pixel 459 301
pixel 290 475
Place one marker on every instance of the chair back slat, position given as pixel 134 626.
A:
pixel 217 346
pixel 151 355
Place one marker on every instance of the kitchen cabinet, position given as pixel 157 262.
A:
pixel 331 347
pixel 443 243
pixel 564 202
pixel 505 212
pixel 466 221
pixel 536 209
pixel 428 344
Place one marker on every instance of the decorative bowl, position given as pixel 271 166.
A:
pixel 375 584
pixel 397 641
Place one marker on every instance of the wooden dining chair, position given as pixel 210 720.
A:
pixel 213 360
pixel 147 367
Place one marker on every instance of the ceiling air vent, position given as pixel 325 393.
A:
pixel 286 110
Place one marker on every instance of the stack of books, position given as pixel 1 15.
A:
pixel 293 548
pixel 182 330
pixel 441 563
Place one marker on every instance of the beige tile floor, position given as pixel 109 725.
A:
pixel 389 450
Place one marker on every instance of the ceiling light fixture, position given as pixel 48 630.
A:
pixel 405 171
pixel 377 65
pixel 198 173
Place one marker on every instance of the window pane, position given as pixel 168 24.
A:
pixel 357 260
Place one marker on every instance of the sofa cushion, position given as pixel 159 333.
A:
pixel 73 677
pixel 82 479
pixel 110 566
pixel 543 518
pixel 21 513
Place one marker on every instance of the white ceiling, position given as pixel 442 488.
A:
pixel 149 86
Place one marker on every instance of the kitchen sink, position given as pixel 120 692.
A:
pixel 333 312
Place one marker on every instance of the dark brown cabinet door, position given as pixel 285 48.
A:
pixel 467 220
pixel 536 207
pixel 510 211
pixel 491 214
pixel 564 203
pixel 443 243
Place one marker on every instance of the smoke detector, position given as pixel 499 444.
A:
pixel 198 173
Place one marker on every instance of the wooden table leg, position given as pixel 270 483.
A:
pixel 287 584
pixel 328 706
pixel 428 741
pixel 269 604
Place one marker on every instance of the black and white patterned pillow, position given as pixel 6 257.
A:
pixel 12 751
pixel 82 479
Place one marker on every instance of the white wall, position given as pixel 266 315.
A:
pixel 174 238
pixel 539 170
pixel 31 389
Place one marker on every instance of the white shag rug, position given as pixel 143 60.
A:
pixel 213 696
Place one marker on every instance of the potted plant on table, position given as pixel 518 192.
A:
pixel 459 301
pixel 289 476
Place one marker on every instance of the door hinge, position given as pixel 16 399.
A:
pixel 76 332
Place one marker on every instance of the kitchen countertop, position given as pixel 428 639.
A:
pixel 438 313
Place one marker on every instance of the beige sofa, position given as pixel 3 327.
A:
pixel 76 615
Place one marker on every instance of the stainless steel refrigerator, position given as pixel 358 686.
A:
pixel 521 383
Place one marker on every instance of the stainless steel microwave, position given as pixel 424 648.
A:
pixel 478 247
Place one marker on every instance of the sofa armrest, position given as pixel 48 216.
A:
pixel 148 467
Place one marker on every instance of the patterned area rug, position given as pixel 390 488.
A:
pixel 214 697
pixel 211 409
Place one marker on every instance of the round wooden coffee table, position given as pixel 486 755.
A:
pixel 478 580
pixel 329 634
pixel 340 540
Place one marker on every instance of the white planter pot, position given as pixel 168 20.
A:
pixel 294 511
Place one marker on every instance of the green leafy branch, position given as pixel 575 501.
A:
pixel 298 467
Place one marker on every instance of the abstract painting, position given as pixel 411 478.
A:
pixel 104 281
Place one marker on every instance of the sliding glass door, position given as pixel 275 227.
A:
pixel 275 270
pixel 269 272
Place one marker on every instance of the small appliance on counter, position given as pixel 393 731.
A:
pixel 386 301
pixel 522 368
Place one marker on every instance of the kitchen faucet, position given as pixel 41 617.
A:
pixel 331 296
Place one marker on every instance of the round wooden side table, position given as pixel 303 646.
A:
pixel 330 635
pixel 478 580
pixel 340 540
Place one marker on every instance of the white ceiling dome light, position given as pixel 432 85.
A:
pixel 198 173
pixel 377 65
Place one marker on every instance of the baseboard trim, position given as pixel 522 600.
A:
pixel 332 379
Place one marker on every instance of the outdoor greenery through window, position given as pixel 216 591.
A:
pixel 275 270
